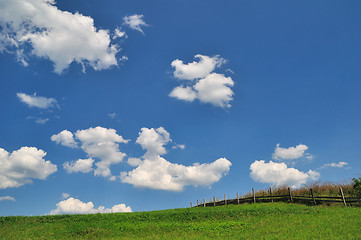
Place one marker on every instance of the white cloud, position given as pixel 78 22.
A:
pixel 21 166
pixel 152 171
pixel 98 143
pixel 155 172
pixel 215 89
pixel 38 120
pixel 65 195
pixel 196 70
pixel 158 173
pixel 184 93
pixel 60 36
pixel 180 146
pixel 81 165
pixel 112 115
pixel 134 161
pixel 118 33
pixel 290 153
pixel 76 206
pixel 135 22
pixel 7 198
pixel 65 138
pixel 339 165
pixel 153 140
pixel 37 101
pixel 207 87
pixel 278 174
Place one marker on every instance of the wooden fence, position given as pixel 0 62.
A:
pixel 310 200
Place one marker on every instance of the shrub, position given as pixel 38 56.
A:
pixel 357 186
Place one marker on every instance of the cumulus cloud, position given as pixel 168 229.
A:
pixel 135 22
pixel 76 206
pixel 134 161
pixel 339 164
pixel 37 101
pixel 98 143
pixel 153 140
pixel 278 174
pixel 290 153
pixel 65 138
pixel 158 173
pixel 39 28
pixel 204 85
pixel 155 172
pixel 81 165
pixel 196 70
pixel 215 89
pixel 7 198
pixel 184 93
pixel 21 166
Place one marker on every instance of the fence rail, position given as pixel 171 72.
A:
pixel 311 199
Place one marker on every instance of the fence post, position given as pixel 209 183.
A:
pixel 237 198
pixel 289 192
pixel 225 199
pixel 197 203
pixel 313 197
pixel 270 192
pixel 191 204
pixel 204 202
pixel 343 197
pixel 254 196
pixel 214 201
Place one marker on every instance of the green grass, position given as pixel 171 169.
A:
pixel 246 221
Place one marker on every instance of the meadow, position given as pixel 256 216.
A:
pixel 244 221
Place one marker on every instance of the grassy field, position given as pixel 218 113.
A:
pixel 246 221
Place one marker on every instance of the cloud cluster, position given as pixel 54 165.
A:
pixel 151 170
pixel 37 101
pixel 278 174
pixel 202 83
pixel 155 172
pixel 135 22
pixel 290 153
pixel 76 206
pixel 21 166
pixel 39 28
pixel 7 198
pixel 98 143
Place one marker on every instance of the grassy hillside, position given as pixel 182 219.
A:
pixel 247 221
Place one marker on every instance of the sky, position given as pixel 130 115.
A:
pixel 120 106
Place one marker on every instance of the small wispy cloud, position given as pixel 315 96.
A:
pixel 112 115
pixel 7 198
pixel 118 33
pixel 37 101
pixel 135 22
pixel 338 165
pixel 180 146
pixel 38 120
pixel 65 195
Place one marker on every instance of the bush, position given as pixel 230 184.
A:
pixel 357 186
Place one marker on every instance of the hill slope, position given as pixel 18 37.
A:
pixel 247 221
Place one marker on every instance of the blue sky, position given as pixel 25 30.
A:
pixel 144 105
